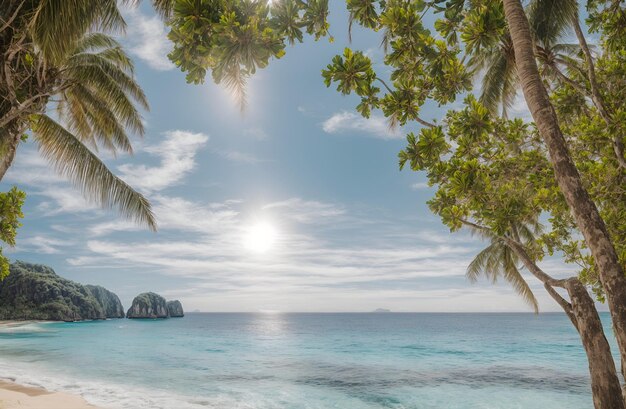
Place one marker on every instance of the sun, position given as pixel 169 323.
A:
pixel 260 237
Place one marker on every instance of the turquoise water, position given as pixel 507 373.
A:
pixel 307 361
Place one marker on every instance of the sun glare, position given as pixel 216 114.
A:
pixel 260 237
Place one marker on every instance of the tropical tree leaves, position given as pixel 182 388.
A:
pixel 10 214
pixel 498 261
pixel 233 39
pixel 61 64
pixel 71 158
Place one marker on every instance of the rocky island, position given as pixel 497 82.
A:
pixel 175 309
pixel 152 305
pixel 36 292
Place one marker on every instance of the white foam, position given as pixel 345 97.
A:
pixel 108 394
pixel 29 327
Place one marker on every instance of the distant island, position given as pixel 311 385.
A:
pixel 381 310
pixel 36 292
pixel 151 305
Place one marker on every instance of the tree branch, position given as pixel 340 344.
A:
pixel 566 306
pixel 7 23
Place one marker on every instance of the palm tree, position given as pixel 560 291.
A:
pixel 496 63
pixel 501 259
pixel 584 210
pixel 497 261
pixel 86 77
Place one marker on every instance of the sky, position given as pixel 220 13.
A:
pixel 295 205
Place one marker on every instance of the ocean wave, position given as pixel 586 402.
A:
pixel 27 327
pixel 110 394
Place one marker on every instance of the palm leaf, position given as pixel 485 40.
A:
pixel 550 19
pixel 57 25
pixel 72 159
pixel 515 278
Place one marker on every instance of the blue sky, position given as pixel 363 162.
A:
pixel 352 232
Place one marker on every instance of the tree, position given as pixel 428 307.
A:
pixel 52 63
pixel 502 258
pixel 585 212
pixel 493 176
pixel 10 214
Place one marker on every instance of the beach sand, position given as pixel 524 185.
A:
pixel 14 396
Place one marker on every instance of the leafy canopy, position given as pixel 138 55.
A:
pixel 10 214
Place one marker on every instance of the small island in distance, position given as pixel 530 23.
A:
pixel 381 310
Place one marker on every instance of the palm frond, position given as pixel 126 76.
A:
pixel 163 7
pixel 110 92
pixel 477 266
pixel 493 84
pixel 513 276
pixel 94 41
pixel 550 19
pixel 104 127
pixel 72 159
pixel 499 261
pixel 57 25
pixel 95 66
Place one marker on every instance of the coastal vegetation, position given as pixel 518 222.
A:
pixel 37 292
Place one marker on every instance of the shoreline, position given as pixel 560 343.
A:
pixel 16 396
pixel 18 323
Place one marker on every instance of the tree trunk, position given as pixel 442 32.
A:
pixel 584 210
pixel 605 384
pixel 582 312
pixel 9 140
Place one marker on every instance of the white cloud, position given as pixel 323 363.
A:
pixel 420 185
pixel 42 244
pixel 66 199
pixel 304 211
pixel 147 39
pixel 177 153
pixel 376 126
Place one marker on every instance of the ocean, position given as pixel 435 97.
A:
pixel 308 361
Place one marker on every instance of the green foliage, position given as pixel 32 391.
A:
pixel 10 214
pixel 609 19
pixel 233 39
pixel 36 292
pixel 66 65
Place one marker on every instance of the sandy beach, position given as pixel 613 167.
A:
pixel 14 396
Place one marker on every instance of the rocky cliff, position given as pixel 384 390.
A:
pixel 148 305
pixel 175 309
pixel 109 301
pixel 36 292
